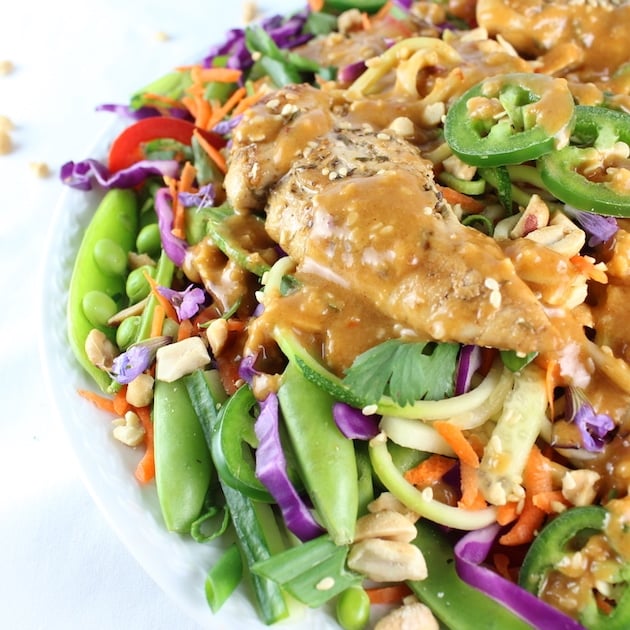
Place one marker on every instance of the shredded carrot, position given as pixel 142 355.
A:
pixel 552 377
pixel 201 75
pixel 235 325
pixel 214 154
pixel 316 5
pixel 157 323
pixel 161 100
pixel 548 501
pixel 537 478
pixel 383 11
pixel 365 22
pixel 507 513
pixel 248 101
pixel 121 406
pixel 430 470
pixel 469 204
pixel 186 329
pixel 102 402
pixel 391 594
pixel 221 112
pixel 472 498
pixel 456 439
pixel 185 184
pixel 586 265
pixel 169 309
pixel 145 470
pixel 502 565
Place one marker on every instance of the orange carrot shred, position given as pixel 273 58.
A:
pixel 507 513
pixel 365 22
pixel 145 470
pixel 102 402
pixel 214 154
pixel 552 378
pixel 169 309
pixel 537 478
pixel 121 406
pixel 587 267
pixel 186 329
pixel 185 184
pixel 502 565
pixel 548 500
pixel 456 439
pixel 248 102
pixel 157 322
pixel 465 201
pixel 221 112
pixel 430 470
pixel 201 75
pixel 391 594
pixel 316 5
pixel 472 498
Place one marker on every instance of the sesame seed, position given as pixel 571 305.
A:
pixel 427 493
pixel 325 584
pixel 491 283
pixel 369 410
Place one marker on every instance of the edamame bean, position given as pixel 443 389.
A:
pixel 127 331
pixel 110 257
pixel 148 241
pixel 353 608
pixel 137 286
pixel 98 307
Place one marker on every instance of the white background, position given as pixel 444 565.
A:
pixel 61 566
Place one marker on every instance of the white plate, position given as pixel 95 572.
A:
pixel 177 564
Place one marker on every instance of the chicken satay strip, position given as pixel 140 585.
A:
pixel 362 210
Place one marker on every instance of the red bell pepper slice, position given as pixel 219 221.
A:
pixel 126 149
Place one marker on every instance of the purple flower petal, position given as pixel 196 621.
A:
pixel 174 247
pixel 131 363
pixel 203 198
pixel 598 227
pixel 595 428
pixel 246 369
pixel 186 302
pixel 353 423
pixel 82 175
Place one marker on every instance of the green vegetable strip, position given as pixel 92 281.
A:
pixel 453 602
pixel 255 526
pixel 306 571
pixel 408 494
pixel 163 278
pixel 224 577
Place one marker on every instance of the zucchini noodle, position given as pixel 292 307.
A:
pixel 449 407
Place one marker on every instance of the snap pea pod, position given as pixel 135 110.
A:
pixel 256 529
pixel 97 284
pixel 452 601
pixel 325 458
pixel 183 467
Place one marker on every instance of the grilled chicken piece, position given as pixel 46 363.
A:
pixel 361 208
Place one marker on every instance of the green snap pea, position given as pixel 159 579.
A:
pixel 137 286
pixel 148 241
pixel 110 257
pixel 183 467
pixel 127 331
pixel 353 608
pixel 115 221
pixel 325 458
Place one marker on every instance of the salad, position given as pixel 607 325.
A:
pixel 356 289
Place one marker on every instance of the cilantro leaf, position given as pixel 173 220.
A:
pixel 405 371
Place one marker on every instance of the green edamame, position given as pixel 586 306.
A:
pixel 110 257
pixel 137 286
pixel 148 241
pixel 183 467
pixel 325 458
pixel 353 608
pixel 127 331
pixel 112 228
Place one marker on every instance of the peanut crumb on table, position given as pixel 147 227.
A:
pixel 40 169
pixel 6 67
pixel 6 144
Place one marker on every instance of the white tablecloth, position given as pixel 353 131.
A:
pixel 61 567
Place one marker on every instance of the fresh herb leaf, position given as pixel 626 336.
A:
pixel 405 371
